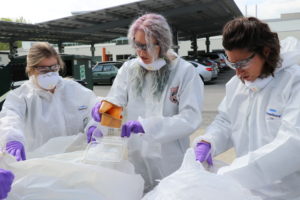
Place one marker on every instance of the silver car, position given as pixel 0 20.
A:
pixel 206 73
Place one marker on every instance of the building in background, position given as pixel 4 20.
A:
pixel 4 60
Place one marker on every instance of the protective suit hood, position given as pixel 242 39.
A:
pixel 172 55
pixel 290 52
pixel 290 55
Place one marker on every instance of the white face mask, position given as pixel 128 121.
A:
pixel 154 66
pixel 258 84
pixel 48 81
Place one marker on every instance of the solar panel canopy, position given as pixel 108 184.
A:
pixel 189 18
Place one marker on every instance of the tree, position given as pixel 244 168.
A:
pixel 4 45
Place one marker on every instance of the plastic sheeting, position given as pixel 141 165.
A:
pixel 192 181
pixel 50 175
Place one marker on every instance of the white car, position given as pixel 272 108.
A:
pixel 206 73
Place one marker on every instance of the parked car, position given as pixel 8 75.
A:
pixel 117 64
pixel 216 57
pixel 206 73
pixel 132 57
pixel 105 72
pixel 209 63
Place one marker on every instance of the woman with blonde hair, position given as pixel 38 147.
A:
pixel 45 106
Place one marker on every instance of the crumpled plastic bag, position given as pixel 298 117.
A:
pixel 192 182
pixel 64 176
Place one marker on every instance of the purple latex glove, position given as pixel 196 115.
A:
pixel 131 126
pixel 202 152
pixel 6 179
pixel 95 112
pixel 93 130
pixel 16 149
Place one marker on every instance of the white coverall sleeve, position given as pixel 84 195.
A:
pixel 12 117
pixel 218 133
pixel 276 159
pixel 165 129
pixel 118 93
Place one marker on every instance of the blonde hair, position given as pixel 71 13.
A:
pixel 39 52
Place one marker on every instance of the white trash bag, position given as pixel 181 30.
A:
pixel 65 176
pixel 192 182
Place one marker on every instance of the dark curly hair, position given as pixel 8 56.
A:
pixel 253 35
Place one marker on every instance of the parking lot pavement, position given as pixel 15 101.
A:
pixel 213 95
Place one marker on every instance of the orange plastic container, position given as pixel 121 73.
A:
pixel 110 121
pixel 105 106
pixel 115 112
pixel 111 114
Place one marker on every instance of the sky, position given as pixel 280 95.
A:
pixel 35 11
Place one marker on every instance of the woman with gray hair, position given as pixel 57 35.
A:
pixel 162 97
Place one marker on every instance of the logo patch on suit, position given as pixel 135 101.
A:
pixel 83 107
pixel 173 95
pixel 273 113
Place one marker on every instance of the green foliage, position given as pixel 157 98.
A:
pixel 5 46
pixel 22 20
pixel 6 19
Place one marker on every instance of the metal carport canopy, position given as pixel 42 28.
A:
pixel 10 32
pixel 200 18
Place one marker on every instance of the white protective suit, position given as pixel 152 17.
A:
pixel 32 115
pixel 167 122
pixel 262 123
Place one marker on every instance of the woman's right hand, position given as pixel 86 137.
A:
pixel 203 152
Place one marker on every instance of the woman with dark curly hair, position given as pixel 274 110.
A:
pixel 260 114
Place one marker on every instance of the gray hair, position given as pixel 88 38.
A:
pixel 156 27
pixel 159 80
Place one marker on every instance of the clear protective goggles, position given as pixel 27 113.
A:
pixel 46 69
pixel 242 64
pixel 143 47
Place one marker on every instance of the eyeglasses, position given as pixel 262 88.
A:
pixel 240 64
pixel 141 46
pixel 46 69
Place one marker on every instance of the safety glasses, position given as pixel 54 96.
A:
pixel 240 64
pixel 140 46
pixel 46 69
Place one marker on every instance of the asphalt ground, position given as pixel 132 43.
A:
pixel 214 92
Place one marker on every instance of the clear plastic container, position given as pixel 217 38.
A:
pixel 111 147
pixel 108 132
